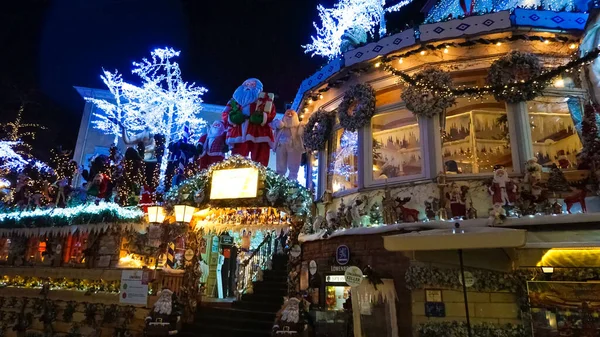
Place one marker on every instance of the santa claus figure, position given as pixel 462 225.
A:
pixel 503 190
pixel 213 145
pixel 534 172
pixel 288 144
pixel 247 117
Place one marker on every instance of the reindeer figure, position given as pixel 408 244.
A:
pixel 408 214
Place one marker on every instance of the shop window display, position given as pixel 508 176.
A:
pixel 553 133
pixel 343 161
pixel 476 137
pixel 336 296
pixel 75 245
pixel 396 145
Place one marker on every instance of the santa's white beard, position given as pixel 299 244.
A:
pixel 501 181
pixel 214 132
pixel 246 97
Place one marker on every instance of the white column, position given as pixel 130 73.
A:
pixel 520 134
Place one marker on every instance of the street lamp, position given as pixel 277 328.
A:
pixel 184 213
pixel 156 214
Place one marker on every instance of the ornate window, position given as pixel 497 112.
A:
pixel 476 137
pixel 343 161
pixel 75 245
pixel 553 133
pixel 396 146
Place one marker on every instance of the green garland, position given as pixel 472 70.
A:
pixel 318 130
pixel 516 67
pixel 357 107
pixel 79 215
pixel 288 194
pixel 92 286
pixel 429 93
pixel 459 329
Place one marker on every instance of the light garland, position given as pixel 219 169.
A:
pixel 83 214
pixel 14 133
pixel 61 284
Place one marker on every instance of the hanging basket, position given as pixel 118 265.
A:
pixel 317 130
pixel 430 95
pixel 357 107
pixel 514 68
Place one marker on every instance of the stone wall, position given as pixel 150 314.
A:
pixel 367 250
pixel 489 307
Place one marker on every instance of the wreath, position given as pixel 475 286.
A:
pixel 357 107
pixel 516 67
pixel 318 130
pixel 430 95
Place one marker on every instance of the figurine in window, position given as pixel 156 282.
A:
pixel 457 198
pixel 533 173
pixel 503 189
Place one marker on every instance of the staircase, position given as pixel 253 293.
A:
pixel 253 315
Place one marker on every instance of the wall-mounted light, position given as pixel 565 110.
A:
pixel 548 270
pixel 156 214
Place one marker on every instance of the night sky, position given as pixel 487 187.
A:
pixel 49 46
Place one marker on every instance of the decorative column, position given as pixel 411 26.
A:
pixel 190 289
pixel 520 134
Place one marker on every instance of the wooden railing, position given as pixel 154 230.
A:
pixel 172 281
pixel 258 260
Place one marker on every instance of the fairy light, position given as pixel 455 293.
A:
pixel 572 46
pixel 133 214
pixel 446 50
pixel 401 60
pixel 498 44
pixel 377 64
pixel 422 52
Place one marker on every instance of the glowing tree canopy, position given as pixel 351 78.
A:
pixel 345 15
pixel 164 104
pixel 10 160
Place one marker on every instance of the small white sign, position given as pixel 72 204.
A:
pixel 354 276
pixel 296 251
pixel 312 267
pixel 469 279
pixel 133 290
pixel 335 278
pixel 189 254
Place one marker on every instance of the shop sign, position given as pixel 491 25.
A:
pixel 295 251
pixel 339 268
pixel 189 254
pixel 133 289
pixel 335 279
pixel 215 244
pixel 312 267
pixel 342 255
pixel 469 279
pixel 354 276
pixel 234 183
pixel 226 240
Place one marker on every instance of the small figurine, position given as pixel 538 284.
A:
pixel 497 215
pixel 471 212
pixel 390 215
pixel 213 147
pixel 289 319
pixel 533 174
pixel 317 223
pixel 503 190
pixel 430 208
pixel 331 218
pixel 457 198
pixel 408 214
pixel 578 197
pixel 164 319
pixel 556 207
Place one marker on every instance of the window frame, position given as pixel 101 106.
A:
pixel 367 150
pixel 328 151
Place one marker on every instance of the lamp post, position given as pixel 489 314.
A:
pixel 156 214
pixel 184 213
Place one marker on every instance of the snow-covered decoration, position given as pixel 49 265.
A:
pixel 164 104
pixel 453 9
pixel 10 160
pixel 345 17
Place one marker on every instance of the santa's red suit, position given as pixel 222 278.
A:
pixel 247 117
pixel 503 189
pixel 213 145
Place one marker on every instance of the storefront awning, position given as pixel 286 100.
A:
pixel 461 238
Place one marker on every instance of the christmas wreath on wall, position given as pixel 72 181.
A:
pixel 424 98
pixel 318 130
pixel 515 67
pixel 357 107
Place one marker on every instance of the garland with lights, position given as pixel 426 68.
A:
pixel 88 286
pixel 357 107
pixel 430 95
pixel 385 63
pixel 273 190
pixel 82 214
pixel 516 67
pixel 318 130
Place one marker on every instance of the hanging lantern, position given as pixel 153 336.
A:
pixel 184 213
pixel 156 214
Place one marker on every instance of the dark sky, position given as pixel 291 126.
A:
pixel 52 45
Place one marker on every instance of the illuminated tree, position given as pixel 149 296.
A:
pixel 346 14
pixel 164 104
pixel 16 131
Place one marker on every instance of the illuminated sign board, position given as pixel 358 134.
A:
pixel 234 183
pixel 335 279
